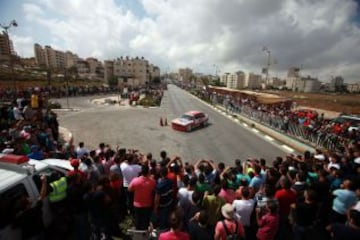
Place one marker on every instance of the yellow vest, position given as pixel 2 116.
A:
pixel 59 190
pixel 34 101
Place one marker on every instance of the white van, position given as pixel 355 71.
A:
pixel 19 178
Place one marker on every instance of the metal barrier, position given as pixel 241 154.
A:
pixel 313 135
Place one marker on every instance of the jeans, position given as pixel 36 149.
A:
pixel 163 217
pixel 142 217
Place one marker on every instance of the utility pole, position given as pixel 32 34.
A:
pixel 268 52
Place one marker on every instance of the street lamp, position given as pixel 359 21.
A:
pixel 13 23
pixel 267 51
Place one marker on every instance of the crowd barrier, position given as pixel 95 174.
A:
pixel 315 136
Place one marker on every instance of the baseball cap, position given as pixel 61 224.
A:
pixel 75 162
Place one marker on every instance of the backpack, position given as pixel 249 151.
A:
pixel 234 235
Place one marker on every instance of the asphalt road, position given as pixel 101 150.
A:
pixel 138 128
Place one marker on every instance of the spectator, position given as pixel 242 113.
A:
pixel 243 210
pixel 349 231
pixel 212 203
pixel 185 193
pixel 201 185
pixel 36 153
pixel 344 199
pixel 269 223
pixel 300 185
pixel 226 193
pixel 79 175
pixel 198 228
pixel 130 170
pixel 164 200
pixel 175 223
pixel 286 197
pixel 228 226
pixel 257 181
pixel 304 216
pixel 143 188
pixel 81 150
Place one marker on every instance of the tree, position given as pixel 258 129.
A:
pixel 73 71
pixel 113 81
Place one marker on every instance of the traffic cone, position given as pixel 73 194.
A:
pixel 161 122
pixel 166 122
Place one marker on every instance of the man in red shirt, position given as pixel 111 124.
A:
pixel 80 176
pixel 143 188
pixel 286 197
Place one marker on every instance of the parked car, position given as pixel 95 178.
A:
pixel 190 121
pixel 20 178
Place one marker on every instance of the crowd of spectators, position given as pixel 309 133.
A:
pixel 310 196
pixel 306 124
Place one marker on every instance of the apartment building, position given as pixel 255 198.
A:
pixel 234 80
pixel 49 57
pixel 276 82
pixel 336 83
pixel 185 74
pixel 6 47
pixel 70 59
pixel 353 87
pixel 39 55
pixel 253 81
pixel 131 71
pixel 306 84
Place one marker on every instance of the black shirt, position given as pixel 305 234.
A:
pixel 306 214
pixel 198 232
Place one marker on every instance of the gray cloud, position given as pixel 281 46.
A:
pixel 319 35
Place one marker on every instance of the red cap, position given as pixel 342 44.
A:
pixel 75 162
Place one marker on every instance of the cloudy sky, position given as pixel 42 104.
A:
pixel 320 36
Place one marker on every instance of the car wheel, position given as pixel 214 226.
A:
pixel 188 128
pixel 204 124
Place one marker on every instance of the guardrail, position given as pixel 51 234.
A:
pixel 315 136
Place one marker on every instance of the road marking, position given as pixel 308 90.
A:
pixel 287 148
pixel 268 138
pixel 255 130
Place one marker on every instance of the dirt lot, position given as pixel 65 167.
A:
pixel 341 103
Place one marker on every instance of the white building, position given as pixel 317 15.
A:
pixel 306 84
pixel 131 71
pixel 253 81
pixel 353 87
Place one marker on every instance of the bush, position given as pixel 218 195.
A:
pixel 149 101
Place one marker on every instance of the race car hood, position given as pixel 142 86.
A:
pixel 181 121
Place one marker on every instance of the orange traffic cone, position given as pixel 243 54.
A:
pixel 165 122
pixel 161 122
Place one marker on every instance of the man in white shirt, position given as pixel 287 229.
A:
pixel 243 210
pixel 130 170
pixel 81 150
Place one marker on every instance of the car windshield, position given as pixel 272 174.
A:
pixel 188 117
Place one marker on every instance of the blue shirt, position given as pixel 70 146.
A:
pixel 344 200
pixel 256 182
pixel 240 176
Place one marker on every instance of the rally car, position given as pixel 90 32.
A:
pixel 189 121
